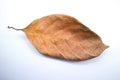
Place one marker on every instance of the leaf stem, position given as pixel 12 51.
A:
pixel 14 28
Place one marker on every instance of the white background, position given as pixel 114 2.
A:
pixel 19 60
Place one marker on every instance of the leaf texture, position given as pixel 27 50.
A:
pixel 64 37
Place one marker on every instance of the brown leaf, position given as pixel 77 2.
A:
pixel 62 36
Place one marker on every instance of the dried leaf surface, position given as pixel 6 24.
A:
pixel 62 36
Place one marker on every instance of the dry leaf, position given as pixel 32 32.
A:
pixel 62 36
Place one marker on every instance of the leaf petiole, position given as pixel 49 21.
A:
pixel 14 28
